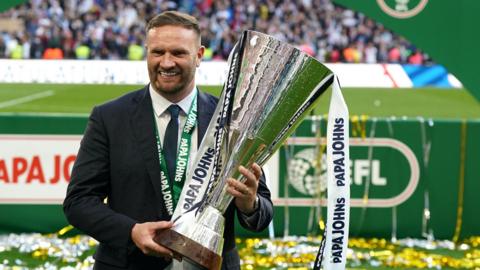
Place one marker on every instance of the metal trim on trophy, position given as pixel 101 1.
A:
pixel 271 86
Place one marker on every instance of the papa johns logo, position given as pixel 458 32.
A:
pixel 402 9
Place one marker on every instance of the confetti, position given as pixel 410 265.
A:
pixel 51 252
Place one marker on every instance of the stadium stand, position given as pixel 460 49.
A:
pixel 114 29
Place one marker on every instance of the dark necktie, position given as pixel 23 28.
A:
pixel 170 141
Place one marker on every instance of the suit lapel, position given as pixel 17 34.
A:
pixel 206 107
pixel 143 129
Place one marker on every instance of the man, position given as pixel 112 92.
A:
pixel 119 158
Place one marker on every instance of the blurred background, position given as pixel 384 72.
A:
pixel 407 69
pixel 113 30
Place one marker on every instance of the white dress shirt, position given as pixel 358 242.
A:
pixel 162 116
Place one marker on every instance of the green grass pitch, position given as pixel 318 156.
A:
pixel 373 102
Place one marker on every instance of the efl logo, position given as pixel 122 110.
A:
pixel 402 9
pixel 393 186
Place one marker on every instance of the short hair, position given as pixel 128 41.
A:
pixel 174 18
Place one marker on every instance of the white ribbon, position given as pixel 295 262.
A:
pixel 338 175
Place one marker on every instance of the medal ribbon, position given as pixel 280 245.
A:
pixel 171 193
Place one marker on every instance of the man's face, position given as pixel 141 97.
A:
pixel 173 54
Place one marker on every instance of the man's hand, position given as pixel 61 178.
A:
pixel 142 235
pixel 245 193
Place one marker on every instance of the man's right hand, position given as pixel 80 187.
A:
pixel 142 235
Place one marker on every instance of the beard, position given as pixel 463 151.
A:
pixel 170 82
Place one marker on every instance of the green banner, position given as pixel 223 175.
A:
pixel 402 171
pixel 446 30
pixel 409 178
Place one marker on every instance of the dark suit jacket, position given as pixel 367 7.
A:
pixel 118 159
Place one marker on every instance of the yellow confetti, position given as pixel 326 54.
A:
pixel 64 230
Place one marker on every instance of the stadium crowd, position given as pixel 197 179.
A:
pixel 114 29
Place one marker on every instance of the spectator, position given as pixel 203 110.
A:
pixel 370 54
pixel 52 53
pixel 25 41
pixel 12 48
pixel 82 51
pixel 351 54
pixel 394 55
pixel 334 56
pixel 416 58
pixel 135 51
pixel 16 49
pixel 3 47
pixel 111 28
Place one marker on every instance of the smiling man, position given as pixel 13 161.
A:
pixel 128 155
pixel 173 54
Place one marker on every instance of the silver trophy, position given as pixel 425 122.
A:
pixel 271 86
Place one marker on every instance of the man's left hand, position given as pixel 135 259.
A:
pixel 245 193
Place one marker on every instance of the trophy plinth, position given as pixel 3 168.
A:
pixel 201 242
pixel 190 249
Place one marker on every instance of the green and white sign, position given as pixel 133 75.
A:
pixel 400 170
pixel 387 187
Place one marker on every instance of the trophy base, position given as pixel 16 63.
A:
pixel 190 249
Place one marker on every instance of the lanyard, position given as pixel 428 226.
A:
pixel 181 163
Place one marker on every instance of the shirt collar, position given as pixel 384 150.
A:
pixel 160 104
